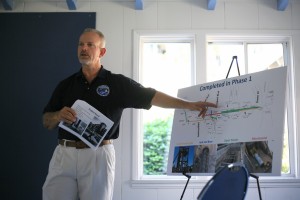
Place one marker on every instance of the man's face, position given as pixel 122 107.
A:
pixel 89 49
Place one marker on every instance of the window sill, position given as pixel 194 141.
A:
pixel 196 183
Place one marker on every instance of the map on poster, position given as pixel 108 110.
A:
pixel 247 126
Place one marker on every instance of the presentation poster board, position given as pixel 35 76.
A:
pixel 247 126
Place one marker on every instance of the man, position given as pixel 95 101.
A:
pixel 75 170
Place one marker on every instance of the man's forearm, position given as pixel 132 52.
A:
pixel 50 120
pixel 165 101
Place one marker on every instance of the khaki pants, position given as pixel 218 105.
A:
pixel 83 174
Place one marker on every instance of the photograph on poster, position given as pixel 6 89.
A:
pixel 256 156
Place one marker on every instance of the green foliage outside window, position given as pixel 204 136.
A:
pixel 156 146
pixel 285 168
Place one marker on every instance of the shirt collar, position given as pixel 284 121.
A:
pixel 101 74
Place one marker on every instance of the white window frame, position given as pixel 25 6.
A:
pixel 201 39
pixel 139 37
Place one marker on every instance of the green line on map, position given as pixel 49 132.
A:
pixel 239 109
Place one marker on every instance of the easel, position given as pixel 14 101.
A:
pixel 250 174
pixel 237 65
pixel 187 182
pixel 257 182
pixel 184 172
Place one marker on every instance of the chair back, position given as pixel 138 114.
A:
pixel 229 183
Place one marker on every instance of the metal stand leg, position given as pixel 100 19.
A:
pixel 233 58
pixel 258 187
pixel 189 177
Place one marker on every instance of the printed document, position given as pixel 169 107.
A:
pixel 91 126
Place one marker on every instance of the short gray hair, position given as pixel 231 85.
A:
pixel 99 33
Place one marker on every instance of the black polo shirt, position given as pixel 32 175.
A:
pixel 109 93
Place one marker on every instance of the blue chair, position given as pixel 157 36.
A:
pixel 230 182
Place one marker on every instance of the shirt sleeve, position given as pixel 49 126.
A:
pixel 135 95
pixel 54 103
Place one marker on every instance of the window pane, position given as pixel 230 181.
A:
pixel 285 169
pixel 259 57
pixel 219 59
pixel 165 67
pixel 264 56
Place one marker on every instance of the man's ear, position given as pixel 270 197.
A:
pixel 102 52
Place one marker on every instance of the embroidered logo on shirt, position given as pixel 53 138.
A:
pixel 103 90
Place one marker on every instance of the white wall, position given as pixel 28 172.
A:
pixel 118 19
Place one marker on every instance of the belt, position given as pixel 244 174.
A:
pixel 80 144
